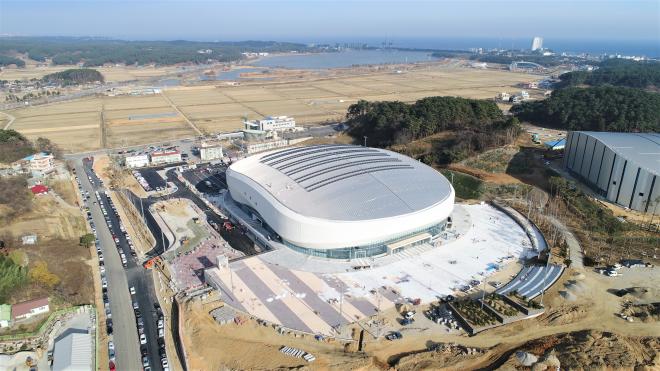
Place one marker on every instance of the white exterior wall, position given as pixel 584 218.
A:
pixel 137 161
pixel 210 153
pixel 159 160
pixel 320 233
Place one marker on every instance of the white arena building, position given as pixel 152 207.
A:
pixel 343 201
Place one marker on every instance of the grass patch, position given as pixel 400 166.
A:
pixel 493 161
pixel 466 186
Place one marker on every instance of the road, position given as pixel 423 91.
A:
pixel 120 279
pixel 124 333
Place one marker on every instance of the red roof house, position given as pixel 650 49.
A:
pixel 29 308
pixel 39 189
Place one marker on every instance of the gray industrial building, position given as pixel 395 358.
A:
pixel 622 167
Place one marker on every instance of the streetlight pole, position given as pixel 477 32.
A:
pixel 365 140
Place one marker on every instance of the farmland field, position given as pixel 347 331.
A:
pixel 128 120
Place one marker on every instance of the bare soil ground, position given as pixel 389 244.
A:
pixel 252 346
pixel 49 220
pixel 111 74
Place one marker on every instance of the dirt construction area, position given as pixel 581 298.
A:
pixel 105 121
pixel 581 329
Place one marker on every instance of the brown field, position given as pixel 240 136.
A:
pixel 111 74
pixel 75 125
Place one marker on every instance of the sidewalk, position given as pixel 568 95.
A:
pixel 575 250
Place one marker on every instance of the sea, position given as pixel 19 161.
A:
pixel 346 58
pixel 648 47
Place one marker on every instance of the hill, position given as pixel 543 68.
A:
pixel 74 76
pixel 617 72
pixel 96 52
pixel 602 108
pixel 471 125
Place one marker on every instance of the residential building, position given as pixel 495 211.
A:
pixel 30 308
pixel 136 161
pixel 39 189
pixel 5 315
pixel 271 123
pixel 39 163
pixel 210 150
pixel 29 239
pixel 161 158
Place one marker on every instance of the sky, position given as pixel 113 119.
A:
pixel 338 20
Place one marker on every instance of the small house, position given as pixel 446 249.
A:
pixel 29 239
pixel 30 308
pixel 39 189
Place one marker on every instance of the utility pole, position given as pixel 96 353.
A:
pixel 365 140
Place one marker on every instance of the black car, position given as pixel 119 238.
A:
pixel 394 335
pixel 108 326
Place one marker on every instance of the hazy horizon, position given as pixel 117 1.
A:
pixel 324 21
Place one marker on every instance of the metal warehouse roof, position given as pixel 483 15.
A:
pixel 640 148
pixel 73 351
pixel 344 182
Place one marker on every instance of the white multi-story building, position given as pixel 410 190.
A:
pixel 160 158
pixel 136 161
pixel 271 123
pixel 537 43
pixel 39 163
pixel 210 150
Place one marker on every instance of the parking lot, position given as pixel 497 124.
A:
pixel 150 180
pixel 207 178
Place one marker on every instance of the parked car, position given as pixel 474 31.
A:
pixel 143 339
pixel 394 335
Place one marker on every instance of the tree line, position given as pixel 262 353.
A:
pixel 617 72
pixel 478 125
pixel 96 52
pixel 601 108
pixel 6 60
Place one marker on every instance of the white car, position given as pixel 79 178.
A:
pixel 143 339
pixel 161 333
pixel 135 305
pixel 111 345
pixel 165 363
pixel 132 290
pixel 160 324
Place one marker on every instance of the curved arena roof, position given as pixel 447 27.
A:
pixel 345 182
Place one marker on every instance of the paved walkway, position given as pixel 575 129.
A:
pixel 277 286
pixel 575 250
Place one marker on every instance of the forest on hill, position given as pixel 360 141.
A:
pixel 96 51
pixel 476 125
pixel 73 77
pixel 600 108
pixel 617 72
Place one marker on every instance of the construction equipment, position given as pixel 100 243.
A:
pixel 149 264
